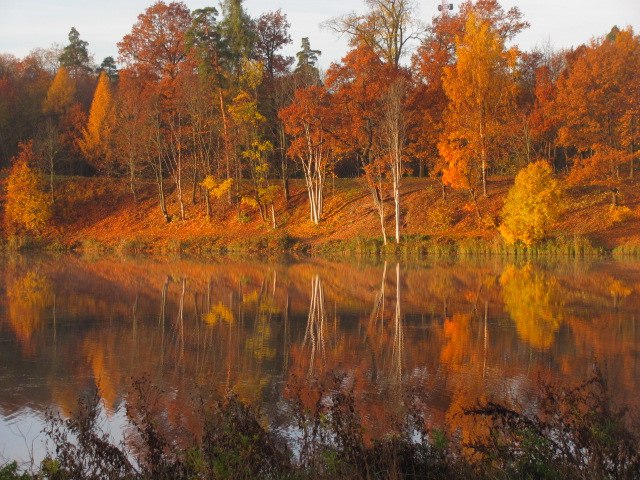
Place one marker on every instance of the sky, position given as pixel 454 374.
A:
pixel 27 24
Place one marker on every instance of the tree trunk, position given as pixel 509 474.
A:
pixel 273 217
pixel 225 140
pixel 283 164
pixel 378 202
pixel 207 202
pixel 132 178
pixel 483 157
pixel 160 180
pixel 396 199
pixel 194 185
pixel 53 199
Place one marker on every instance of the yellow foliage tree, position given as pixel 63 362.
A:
pixel 27 206
pixel 94 140
pixel 60 94
pixel 480 88
pixel 532 205
pixel 215 188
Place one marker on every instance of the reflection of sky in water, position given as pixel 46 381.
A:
pixel 22 438
pixel 458 332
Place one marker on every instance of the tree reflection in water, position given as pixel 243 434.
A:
pixel 453 331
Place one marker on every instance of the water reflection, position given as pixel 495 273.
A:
pixel 453 331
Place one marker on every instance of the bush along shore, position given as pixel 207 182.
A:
pixel 570 433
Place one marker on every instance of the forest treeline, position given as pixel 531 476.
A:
pixel 206 102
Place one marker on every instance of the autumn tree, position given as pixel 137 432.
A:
pixel 254 148
pixel 27 206
pixel 49 144
pixel 276 92
pixel 272 34
pixel 210 53
pixel 543 118
pixel 436 52
pixel 480 90
pixel 60 95
pixel 155 52
pixel 387 28
pixel 95 137
pixel 598 100
pixel 133 147
pixel 359 83
pixel 308 120
pixel 23 86
pixel 59 107
pixel 394 140
pixel 532 205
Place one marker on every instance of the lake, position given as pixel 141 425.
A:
pixel 456 331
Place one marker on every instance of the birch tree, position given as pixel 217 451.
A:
pixel 393 138
pixel 308 120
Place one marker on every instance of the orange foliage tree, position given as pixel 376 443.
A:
pixel 155 53
pixel 598 101
pixel 309 120
pixel 359 83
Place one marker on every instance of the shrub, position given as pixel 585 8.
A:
pixel 620 214
pixel 28 207
pixel 532 205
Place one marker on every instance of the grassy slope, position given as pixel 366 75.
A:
pixel 102 211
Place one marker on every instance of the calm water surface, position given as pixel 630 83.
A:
pixel 456 331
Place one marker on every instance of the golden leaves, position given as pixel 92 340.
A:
pixel 60 94
pixel 215 187
pixel 27 205
pixel 93 142
pixel 532 205
pixel 219 313
pixel 533 300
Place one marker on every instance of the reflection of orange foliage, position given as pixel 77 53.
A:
pixel 457 350
pixel 28 297
pixel 105 370
pixel 449 354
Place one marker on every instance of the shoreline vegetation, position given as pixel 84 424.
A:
pixel 96 217
pixel 574 432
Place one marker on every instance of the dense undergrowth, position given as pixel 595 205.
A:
pixel 566 433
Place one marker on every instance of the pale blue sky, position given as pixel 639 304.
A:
pixel 26 24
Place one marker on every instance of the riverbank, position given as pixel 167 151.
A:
pixel 100 215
